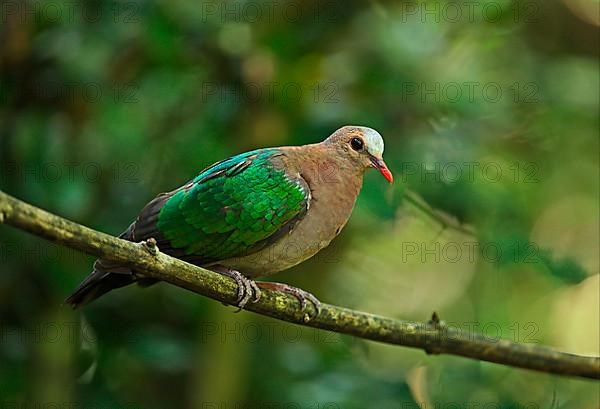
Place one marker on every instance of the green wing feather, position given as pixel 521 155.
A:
pixel 233 208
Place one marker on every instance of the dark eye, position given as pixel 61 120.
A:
pixel 357 144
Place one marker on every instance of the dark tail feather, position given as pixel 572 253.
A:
pixel 108 275
pixel 105 277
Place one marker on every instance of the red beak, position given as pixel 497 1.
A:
pixel 380 165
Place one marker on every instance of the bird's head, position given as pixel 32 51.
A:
pixel 362 146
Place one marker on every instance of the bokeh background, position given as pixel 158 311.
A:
pixel 489 110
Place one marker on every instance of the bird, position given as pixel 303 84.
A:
pixel 252 215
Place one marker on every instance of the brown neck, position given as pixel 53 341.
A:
pixel 327 172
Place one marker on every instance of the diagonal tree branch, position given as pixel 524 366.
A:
pixel 433 337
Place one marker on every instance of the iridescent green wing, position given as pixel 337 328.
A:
pixel 233 208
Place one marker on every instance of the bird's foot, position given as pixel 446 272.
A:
pixel 247 288
pixel 302 296
pixel 150 246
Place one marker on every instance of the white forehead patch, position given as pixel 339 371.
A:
pixel 374 141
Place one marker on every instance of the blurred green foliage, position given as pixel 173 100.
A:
pixel 490 114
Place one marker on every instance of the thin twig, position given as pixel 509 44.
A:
pixel 433 337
